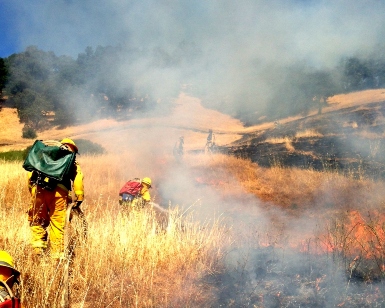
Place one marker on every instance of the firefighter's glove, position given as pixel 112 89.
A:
pixel 77 204
pixel 4 293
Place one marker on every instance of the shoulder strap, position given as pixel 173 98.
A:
pixel 52 143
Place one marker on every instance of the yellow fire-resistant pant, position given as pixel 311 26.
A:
pixel 48 209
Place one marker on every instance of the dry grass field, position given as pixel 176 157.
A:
pixel 238 234
pixel 264 217
pixel 128 260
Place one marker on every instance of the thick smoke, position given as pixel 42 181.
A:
pixel 231 53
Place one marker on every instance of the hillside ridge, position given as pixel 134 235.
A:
pixel 189 118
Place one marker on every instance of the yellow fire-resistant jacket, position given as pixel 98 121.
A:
pixel 76 176
pixel 145 193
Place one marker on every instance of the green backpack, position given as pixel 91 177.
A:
pixel 51 162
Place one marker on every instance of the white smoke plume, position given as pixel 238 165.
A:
pixel 225 49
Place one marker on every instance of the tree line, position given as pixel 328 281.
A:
pixel 58 90
pixel 302 88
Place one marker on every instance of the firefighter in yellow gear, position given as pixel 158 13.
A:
pixel 8 276
pixel 48 208
pixel 144 196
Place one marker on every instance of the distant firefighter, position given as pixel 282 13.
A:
pixel 135 193
pixel 8 277
pixel 178 148
pixel 211 137
pixel 210 143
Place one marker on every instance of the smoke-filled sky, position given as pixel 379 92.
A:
pixel 283 30
pixel 235 48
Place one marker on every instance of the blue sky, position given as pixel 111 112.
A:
pixel 8 38
pixel 317 30
pixel 238 49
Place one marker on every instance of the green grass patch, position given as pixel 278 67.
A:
pixel 14 155
pixel 85 147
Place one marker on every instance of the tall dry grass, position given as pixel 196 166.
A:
pixel 291 188
pixel 128 260
pixel 132 260
pixel 346 211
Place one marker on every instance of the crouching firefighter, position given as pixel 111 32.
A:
pixel 8 278
pixel 50 198
pixel 135 193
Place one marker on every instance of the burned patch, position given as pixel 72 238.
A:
pixel 349 140
pixel 270 277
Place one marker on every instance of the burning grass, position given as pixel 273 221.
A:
pixel 346 212
pixel 318 241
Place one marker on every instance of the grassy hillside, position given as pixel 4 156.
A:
pixel 253 235
pixel 189 119
pixel 348 135
pixel 193 121
pixel 240 234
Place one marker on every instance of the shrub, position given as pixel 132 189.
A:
pixel 29 133
pixel 88 147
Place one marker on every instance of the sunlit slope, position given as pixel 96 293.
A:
pixel 355 99
pixel 189 119
pixel 335 103
pixel 10 129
